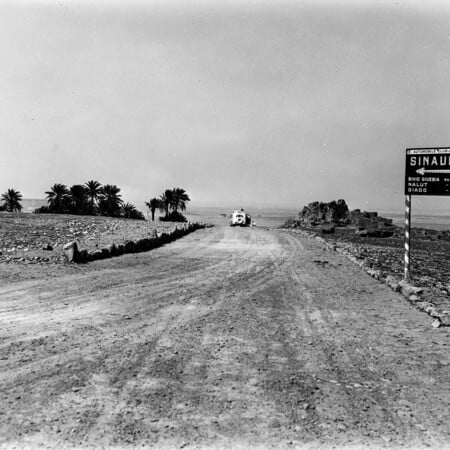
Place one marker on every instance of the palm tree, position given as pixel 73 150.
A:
pixel 153 205
pixel 129 211
pixel 166 201
pixel 110 201
pixel 94 189
pixel 79 199
pixel 12 200
pixel 179 199
pixel 57 197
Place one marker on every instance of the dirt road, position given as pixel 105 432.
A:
pixel 226 338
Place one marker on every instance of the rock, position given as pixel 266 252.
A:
pixel 47 247
pixel 374 273
pixel 436 323
pixel 408 289
pixel 70 251
pixel 432 311
pixel 318 213
pixel 445 319
pixel 393 283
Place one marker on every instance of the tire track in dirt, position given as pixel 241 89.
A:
pixel 227 337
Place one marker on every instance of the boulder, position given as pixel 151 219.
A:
pixel 436 323
pixel 70 251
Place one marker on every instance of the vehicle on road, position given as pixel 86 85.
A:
pixel 240 218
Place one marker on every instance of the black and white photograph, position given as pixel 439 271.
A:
pixel 224 224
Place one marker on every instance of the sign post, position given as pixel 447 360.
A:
pixel 407 235
pixel 427 173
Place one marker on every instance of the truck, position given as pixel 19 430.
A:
pixel 240 218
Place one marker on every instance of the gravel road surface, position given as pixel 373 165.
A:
pixel 227 338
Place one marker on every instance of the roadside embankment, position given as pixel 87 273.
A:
pixel 73 253
pixel 39 238
pixel 382 259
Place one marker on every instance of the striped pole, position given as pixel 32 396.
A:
pixel 407 236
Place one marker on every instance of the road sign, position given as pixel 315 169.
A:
pixel 427 171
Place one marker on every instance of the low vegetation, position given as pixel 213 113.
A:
pixel 89 199
pixel 94 199
pixel 170 203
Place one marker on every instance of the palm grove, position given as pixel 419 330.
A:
pixel 92 198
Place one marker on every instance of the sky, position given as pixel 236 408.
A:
pixel 256 103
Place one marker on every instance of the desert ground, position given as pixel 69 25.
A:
pixel 226 338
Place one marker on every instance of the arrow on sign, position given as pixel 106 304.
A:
pixel 422 171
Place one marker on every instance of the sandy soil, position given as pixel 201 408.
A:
pixel 226 338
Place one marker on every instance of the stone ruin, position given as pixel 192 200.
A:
pixel 327 216
pixel 319 213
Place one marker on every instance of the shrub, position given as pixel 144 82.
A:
pixel 43 210
pixel 174 216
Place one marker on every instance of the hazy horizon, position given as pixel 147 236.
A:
pixel 192 207
pixel 257 103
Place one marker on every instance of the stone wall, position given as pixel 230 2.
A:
pixel 74 254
